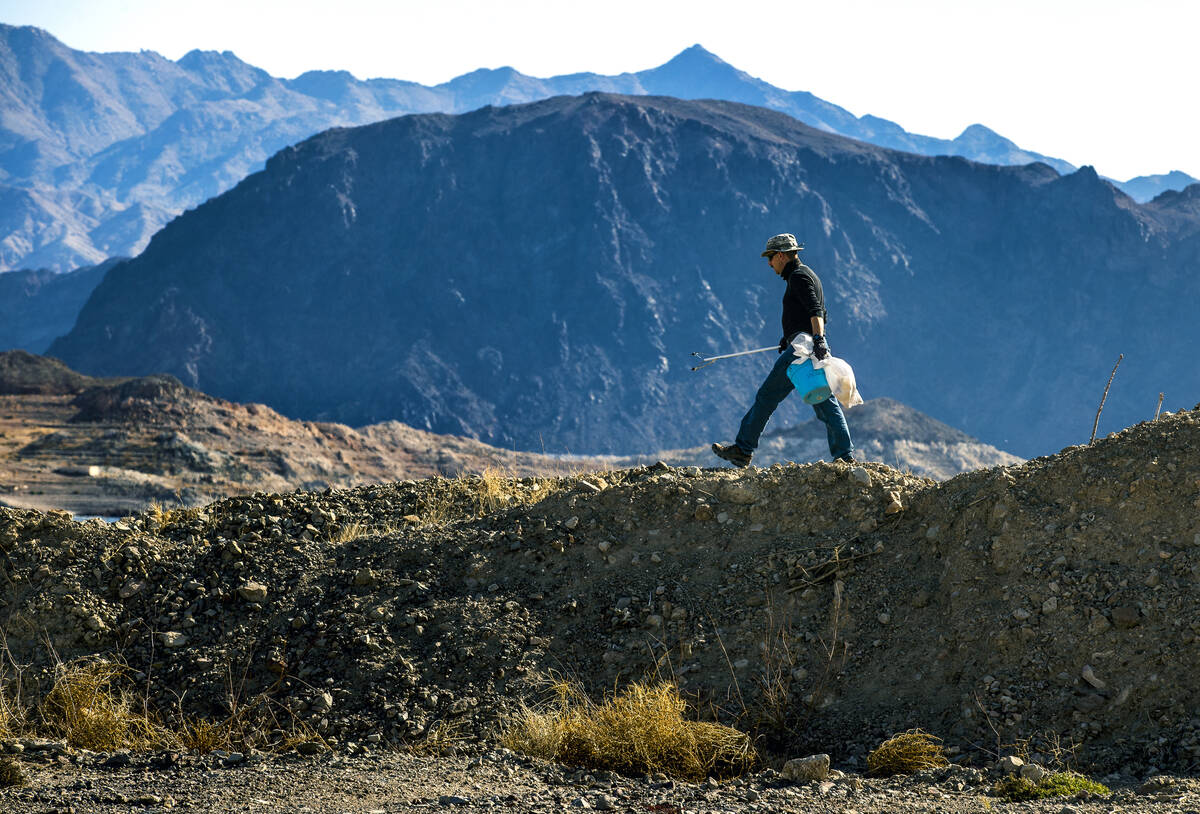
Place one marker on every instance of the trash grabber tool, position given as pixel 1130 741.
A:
pixel 705 361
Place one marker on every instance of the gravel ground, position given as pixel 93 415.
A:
pixel 498 779
pixel 1045 609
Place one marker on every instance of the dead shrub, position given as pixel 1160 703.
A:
pixel 11 773
pixel 161 517
pixel 441 739
pixel 637 731
pixel 471 496
pixel 12 716
pixel 907 753
pixel 204 736
pixel 350 532
pixel 254 724
pixel 14 709
pixel 85 709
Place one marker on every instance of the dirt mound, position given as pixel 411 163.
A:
pixel 149 398
pixel 23 373
pixel 826 605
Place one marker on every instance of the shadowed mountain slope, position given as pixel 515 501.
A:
pixel 535 276
pixel 37 307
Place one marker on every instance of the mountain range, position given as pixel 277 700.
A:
pixel 534 276
pixel 99 151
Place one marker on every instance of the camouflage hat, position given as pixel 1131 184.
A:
pixel 782 243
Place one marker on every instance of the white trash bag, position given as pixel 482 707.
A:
pixel 802 346
pixel 838 373
pixel 840 376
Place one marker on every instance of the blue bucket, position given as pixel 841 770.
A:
pixel 810 383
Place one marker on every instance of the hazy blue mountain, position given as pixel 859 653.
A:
pixel 1147 187
pixel 536 275
pixel 90 139
pixel 37 307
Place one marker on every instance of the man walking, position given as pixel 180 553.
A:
pixel 803 310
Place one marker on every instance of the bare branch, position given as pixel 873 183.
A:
pixel 1096 423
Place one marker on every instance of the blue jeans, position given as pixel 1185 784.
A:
pixel 773 391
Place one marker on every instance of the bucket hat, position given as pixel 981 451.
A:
pixel 782 243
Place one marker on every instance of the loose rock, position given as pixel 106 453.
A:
pixel 805 769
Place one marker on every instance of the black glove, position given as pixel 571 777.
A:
pixel 820 347
pixel 783 344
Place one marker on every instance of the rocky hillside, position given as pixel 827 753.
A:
pixel 110 447
pixel 1051 601
pixel 99 151
pixel 611 236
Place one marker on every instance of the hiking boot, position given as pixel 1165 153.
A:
pixel 847 459
pixel 732 453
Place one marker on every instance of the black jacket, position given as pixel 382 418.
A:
pixel 802 300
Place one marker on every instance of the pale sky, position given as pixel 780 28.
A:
pixel 1111 83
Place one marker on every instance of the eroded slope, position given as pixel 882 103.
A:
pixel 1053 599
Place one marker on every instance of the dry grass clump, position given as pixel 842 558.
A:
pixel 443 738
pixel 640 730
pixel 1059 784
pixel 492 490
pixel 204 736
pixel 11 773
pixel 162 517
pixel 85 708
pixel 350 532
pixel 467 497
pixel 250 725
pixel 906 753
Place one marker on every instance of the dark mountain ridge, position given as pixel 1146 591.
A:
pixel 98 151
pixel 38 306
pixel 535 276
